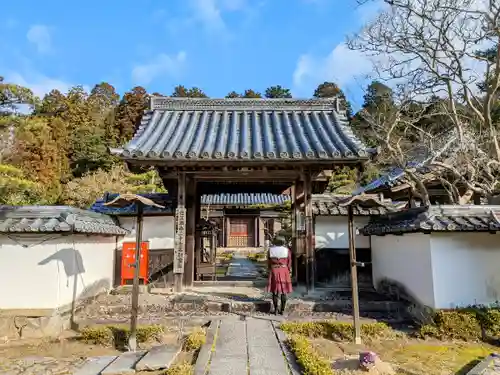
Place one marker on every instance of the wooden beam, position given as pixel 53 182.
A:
pixel 180 233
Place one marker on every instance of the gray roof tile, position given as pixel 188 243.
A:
pixel 244 199
pixel 243 129
pixel 446 218
pixel 328 205
pixel 60 219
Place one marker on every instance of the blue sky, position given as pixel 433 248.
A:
pixel 217 45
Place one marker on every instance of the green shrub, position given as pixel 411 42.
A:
pixel 118 335
pixel 100 335
pixel 489 319
pixel 336 330
pixel 257 257
pixel 455 325
pixel 195 340
pixel 310 361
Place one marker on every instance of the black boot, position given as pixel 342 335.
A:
pixel 275 304
pixel 283 304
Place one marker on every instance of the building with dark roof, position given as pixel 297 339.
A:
pixel 237 146
pixel 53 257
pixel 445 256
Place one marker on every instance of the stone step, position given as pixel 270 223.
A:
pixel 158 358
pixel 124 364
pixel 256 305
pixel 94 366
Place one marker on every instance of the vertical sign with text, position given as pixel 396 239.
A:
pixel 180 237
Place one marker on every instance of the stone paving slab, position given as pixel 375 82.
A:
pixel 247 346
pixel 158 358
pixel 124 364
pixel 95 365
pixel 488 366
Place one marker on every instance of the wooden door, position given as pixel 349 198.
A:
pixel 241 232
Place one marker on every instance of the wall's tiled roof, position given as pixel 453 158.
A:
pixel 450 218
pixel 244 199
pixel 421 156
pixel 243 129
pixel 56 219
pixel 131 210
pixel 328 205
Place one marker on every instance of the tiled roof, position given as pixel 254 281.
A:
pixel 244 199
pixel 55 219
pixel 421 156
pixel 131 210
pixel 188 129
pixel 450 218
pixel 328 205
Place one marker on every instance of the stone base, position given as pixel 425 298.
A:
pixel 184 304
pixel 25 326
pixel 38 323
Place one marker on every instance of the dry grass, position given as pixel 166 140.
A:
pixel 195 340
pixel 181 368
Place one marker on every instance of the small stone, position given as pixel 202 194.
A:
pixel 372 364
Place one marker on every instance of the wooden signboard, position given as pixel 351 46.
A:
pixel 180 238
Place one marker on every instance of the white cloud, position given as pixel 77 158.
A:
pixel 210 12
pixel 39 83
pixel 342 65
pixel 39 35
pixel 162 64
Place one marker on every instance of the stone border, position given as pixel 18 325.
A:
pixel 293 366
pixel 205 353
pixel 483 365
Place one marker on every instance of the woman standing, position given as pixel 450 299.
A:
pixel 279 264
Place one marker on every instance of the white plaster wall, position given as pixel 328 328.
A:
pixel 49 271
pixel 406 260
pixel 158 230
pixel 465 268
pixel 332 232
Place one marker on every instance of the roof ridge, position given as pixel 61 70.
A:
pixel 165 103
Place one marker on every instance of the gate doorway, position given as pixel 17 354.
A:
pixel 241 232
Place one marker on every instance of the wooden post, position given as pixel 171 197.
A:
pixel 354 276
pixel 311 265
pixel 190 231
pixel 132 341
pixel 294 213
pixel 180 233
pixel 198 243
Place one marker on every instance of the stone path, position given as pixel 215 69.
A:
pixel 488 366
pixel 244 346
pixel 241 266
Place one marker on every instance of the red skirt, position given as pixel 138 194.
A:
pixel 279 280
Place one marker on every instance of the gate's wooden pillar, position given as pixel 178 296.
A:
pixel 198 240
pixel 309 227
pixel 299 233
pixel 191 208
pixel 180 233
pixel 295 252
